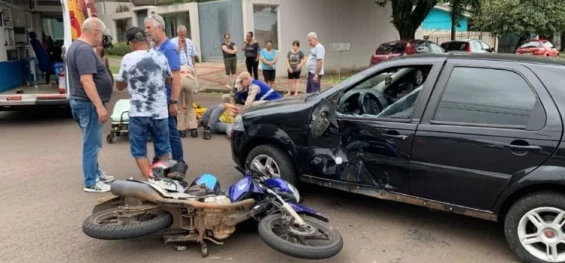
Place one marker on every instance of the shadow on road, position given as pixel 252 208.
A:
pixel 47 114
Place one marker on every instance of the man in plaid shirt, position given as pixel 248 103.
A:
pixel 189 82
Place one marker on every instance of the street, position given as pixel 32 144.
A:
pixel 43 206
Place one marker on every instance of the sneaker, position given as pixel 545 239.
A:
pixel 105 177
pixel 207 133
pixel 99 187
pixel 194 133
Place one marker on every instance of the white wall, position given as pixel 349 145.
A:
pixel 361 22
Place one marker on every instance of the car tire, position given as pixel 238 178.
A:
pixel 282 160
pixel 517 223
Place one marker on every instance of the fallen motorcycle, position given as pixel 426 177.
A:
pixel 200 212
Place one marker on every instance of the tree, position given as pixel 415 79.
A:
pixel 521 17
pixel 408 15
pixel 458 8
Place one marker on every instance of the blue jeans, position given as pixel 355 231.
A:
pixel 175 142
pixel 140 128
pixel 86 116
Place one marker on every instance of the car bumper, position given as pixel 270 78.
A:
pixel 238 142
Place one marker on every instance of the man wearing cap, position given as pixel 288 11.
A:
pixel 143 71
pixel 249 91
pixel 154 27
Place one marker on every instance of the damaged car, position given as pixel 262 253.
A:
pixel 473 134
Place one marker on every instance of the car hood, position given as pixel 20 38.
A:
pixel 282 106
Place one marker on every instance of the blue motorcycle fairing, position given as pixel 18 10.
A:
pixel 278 183
pixel 301 209
pixel 243 188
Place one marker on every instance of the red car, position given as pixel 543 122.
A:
pixel 537 47
pixel 403 48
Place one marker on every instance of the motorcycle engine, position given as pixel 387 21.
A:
pixel 216 219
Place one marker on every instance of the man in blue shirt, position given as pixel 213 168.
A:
pixel 154 27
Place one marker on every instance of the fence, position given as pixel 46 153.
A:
pixel 440 36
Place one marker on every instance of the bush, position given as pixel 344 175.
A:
pixel 120 49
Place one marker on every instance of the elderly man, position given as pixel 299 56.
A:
pixel 250 92
pixel 315 64
pixel 90 89
pixel 143 71
pixel 189 82
pixel 155 29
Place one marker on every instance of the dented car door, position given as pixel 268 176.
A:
pixel 371 149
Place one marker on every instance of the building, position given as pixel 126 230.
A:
pixel 439 19
pixel 360 24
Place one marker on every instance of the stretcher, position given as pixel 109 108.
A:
pixel 120 119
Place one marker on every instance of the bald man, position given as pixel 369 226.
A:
pixel 90 88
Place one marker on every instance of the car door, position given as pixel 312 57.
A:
pixel 372 149
pixel 487 124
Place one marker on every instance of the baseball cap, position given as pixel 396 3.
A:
pixel 135 34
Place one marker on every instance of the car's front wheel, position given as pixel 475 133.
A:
pixel 534 227
pixel 272 160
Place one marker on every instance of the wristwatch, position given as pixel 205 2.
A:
pixel 173 102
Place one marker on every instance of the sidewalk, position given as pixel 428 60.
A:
pixel 212 77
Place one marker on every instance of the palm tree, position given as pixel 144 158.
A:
pixel 458 8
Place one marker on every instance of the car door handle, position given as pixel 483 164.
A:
pixel 531 148
pixel 394 136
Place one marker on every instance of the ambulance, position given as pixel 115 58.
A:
pixel 25 89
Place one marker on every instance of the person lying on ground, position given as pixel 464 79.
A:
pixel 143 71
pixel 218 119
pixel 250 92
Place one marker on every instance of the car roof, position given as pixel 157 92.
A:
pixel 490 56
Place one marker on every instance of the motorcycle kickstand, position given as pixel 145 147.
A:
pixel 204 249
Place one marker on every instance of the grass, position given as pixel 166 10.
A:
pixel 114 69
pixel 335 78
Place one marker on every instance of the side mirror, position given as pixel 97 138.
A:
pixel 323 117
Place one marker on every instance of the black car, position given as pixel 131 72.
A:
pixel 474 134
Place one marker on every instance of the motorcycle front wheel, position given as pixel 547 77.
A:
pixel 107 225
pixel 318 241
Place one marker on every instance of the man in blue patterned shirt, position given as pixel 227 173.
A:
pixel 189 82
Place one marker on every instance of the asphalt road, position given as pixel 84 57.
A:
pixel 43 206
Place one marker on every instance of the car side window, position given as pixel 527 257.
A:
pixel 484 45
pixel 486 96
pixel 476 45
pixel 422 47
pixel 435 48
pixel 391 94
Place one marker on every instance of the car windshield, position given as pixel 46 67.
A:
pixel 530 44
pixel 391 48
pixel 455 46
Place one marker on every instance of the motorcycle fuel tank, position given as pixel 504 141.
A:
pixel 242 189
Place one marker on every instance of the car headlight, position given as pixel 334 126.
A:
pixel 238 123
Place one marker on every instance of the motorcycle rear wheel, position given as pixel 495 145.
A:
pixel 297 245
pixel 105 224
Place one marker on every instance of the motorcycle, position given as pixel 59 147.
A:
pixel 167 206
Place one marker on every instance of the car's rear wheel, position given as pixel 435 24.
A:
pixel 534 227
pixel 273 160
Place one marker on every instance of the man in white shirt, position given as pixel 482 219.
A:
pixel 189 82
pixel 315 64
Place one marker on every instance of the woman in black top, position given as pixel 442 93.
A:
pixel 229 50
pixel 251 48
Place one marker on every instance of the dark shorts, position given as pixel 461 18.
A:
pixel 294 75
pixel 269 75
pixel 139 130
pixel 231 65
pixel 312 87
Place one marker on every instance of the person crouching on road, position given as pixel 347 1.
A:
pixel 250 92
pixel 143 71
pixel 219 118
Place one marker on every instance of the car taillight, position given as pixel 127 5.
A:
pixel 62 86
pixel 409 49
pixel 469 47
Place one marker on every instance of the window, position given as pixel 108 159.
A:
pixel 484 45
pixel 547 44
pixel 265 22
pixel 486 96
pixel 422 47
pixel 435 48
pixel 389 94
